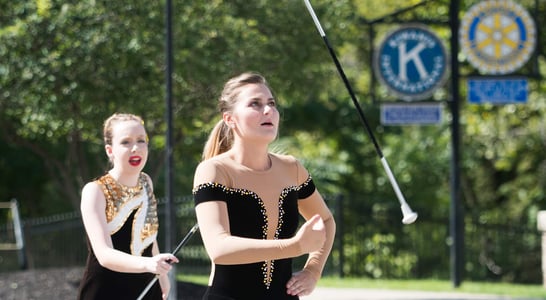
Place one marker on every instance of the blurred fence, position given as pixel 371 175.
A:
pixel 369 248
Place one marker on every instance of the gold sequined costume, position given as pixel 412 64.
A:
pixel 131 215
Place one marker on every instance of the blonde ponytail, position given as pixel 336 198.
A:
pixel 220 140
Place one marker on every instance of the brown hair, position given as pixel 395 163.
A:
pixel 221 137
pixel 113 119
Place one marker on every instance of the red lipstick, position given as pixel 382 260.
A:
pixel 135 160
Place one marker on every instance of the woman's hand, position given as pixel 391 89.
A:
pixel 160 264
pixel 301 284
pixel 311 235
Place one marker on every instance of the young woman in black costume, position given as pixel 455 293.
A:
pixel 249 201
pixel 119 212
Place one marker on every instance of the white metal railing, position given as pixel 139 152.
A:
pixel 17 226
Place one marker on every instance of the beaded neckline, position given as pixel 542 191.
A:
pixel 126 192
pixel 130 191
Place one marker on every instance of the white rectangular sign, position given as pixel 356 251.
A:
pixel 411 113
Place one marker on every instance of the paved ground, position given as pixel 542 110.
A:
pixel 371 294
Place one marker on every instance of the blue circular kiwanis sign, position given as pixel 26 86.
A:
pixel 411 62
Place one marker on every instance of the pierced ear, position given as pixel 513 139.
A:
pixel 228 120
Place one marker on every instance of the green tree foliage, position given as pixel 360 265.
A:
pixel 66 68
pixel 69 66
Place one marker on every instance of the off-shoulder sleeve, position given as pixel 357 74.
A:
pixel 209 192
pixel 209 183
pixel 306 186
pixel 306 189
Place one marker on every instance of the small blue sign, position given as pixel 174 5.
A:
pixel 497 90
pixel 411 62
pixel 408 113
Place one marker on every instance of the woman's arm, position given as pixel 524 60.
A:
pixel 223 248
pixel 304 282
pixel 311 206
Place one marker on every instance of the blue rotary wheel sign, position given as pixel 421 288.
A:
pixel 497 36
pixel 411 62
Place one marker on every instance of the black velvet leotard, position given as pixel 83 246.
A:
pixel 242 190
